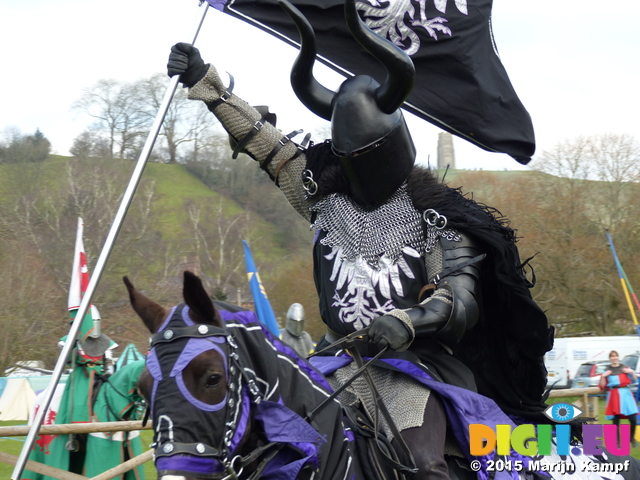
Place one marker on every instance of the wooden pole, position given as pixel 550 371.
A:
pixel 125 467
pixel 64 475
pixel 68 428
pixel 574 392
pixel 588 402
pixel 41 468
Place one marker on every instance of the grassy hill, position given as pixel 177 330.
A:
pixel 174 223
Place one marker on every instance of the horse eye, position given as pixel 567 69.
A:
pixel 214 380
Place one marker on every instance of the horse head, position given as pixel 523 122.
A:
pixel 229 400
pixel 191 384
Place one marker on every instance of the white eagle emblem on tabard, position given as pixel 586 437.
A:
pixel 387 19
pixel 370 252
pixel 357 285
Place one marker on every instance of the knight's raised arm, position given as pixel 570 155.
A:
pixel 275 152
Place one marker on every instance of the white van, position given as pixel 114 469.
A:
pixel 569 353
pixel 556 361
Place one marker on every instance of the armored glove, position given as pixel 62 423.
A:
pixel 185 60
pixel 389 331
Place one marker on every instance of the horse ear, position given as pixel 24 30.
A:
pixel 201 307
pixel 149 311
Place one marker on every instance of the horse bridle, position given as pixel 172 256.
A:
pixel 232 465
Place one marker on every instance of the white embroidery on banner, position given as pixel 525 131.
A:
pixel 387 19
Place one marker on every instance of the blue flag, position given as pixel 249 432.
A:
pixel 262 306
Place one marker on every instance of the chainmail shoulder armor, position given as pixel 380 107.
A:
pixel 239 119
pixel 373 234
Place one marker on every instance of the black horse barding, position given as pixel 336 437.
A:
pixel 227 399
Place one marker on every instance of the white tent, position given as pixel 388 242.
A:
pixel 17 399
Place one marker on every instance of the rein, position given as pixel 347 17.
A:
pixel 349 341
pixel 275 447
pixel 391 458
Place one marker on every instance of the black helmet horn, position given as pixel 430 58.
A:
pixel 368 131
pixel 400 69
pixel 308 90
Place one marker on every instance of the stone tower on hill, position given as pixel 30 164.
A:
pixel 446 155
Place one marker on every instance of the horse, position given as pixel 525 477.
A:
pixel 229 401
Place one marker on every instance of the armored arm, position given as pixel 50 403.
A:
pixel 452 308
pixel 275 152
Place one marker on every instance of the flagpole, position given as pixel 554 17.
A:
pixel 624 280
pixel 102 259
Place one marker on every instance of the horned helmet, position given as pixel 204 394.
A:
pixel 368 130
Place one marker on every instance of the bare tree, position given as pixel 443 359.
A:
pixel 32 317
pixel 616 166
pixel 202 124
pixel 216 234
pixel 184 122
pixel 153 90
pixel 118 110
pixel 588 187
pixel 90 144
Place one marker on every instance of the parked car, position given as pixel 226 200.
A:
pixel 633 361
pixel 588 374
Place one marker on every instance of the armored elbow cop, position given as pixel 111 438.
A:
pixel 452 308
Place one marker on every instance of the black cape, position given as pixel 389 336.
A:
pixel 505 349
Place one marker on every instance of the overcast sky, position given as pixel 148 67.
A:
pixel 573 63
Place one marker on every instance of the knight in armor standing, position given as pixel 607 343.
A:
pixel 294 335
pixel 433 275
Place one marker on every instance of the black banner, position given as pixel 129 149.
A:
pixel 461 85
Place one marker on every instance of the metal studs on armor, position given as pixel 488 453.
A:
pixel 168 448
pixel 434 219
pixel 203 329
pixel 253 388
pixel 308 183
pixel 227 437
pixel 168 334
pixel 200 448
pixel 232 403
